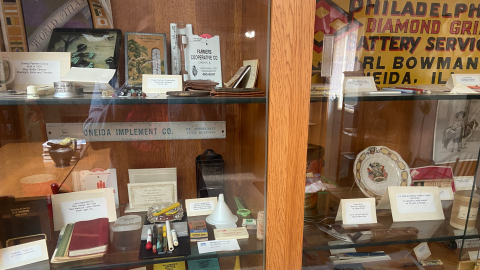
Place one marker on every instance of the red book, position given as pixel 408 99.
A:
pixel 89 237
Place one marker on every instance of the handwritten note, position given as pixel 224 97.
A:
pixel 422 251
pixel 37 72
pixel 415 203
pixel 93 208
pixel 358 213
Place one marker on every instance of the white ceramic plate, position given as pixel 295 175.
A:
pixel 378 167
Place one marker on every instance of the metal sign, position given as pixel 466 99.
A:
pixel 138 131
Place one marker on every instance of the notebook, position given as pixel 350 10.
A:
pixel 89 237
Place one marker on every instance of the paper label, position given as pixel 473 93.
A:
pixel 462 212
pixel 217 245
pixel 358 213
pixel 463 182
pixel 36 72
pixel 84 209
pixel 473 255
pixel 422 251
pixel 461 232
pixel 444 194
pixel 201 206
pixel 415 203
pixel 21 255
pixel 162 83
pixel 146 195
pixel 359 84
pixel 467 79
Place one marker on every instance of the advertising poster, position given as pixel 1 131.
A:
pixel 399 42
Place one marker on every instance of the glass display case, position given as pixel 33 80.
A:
pixel 124 150
pixel 393 152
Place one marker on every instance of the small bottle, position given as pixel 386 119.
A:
pixel 260 225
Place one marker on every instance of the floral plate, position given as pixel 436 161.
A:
pixel 378 167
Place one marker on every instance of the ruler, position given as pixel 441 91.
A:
pixel 138 131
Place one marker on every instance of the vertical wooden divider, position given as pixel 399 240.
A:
pixel 291 36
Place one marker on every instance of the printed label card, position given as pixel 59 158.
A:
pixel 465 79
pixel 83 205
pixel 359 84
pixel 446 193
pixel 24 254
pixel 357 211
pixel 412 203
pixel 422 251
pixel 200 207
pixel 154 85
pixel 464 182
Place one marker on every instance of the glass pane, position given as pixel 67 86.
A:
pixel 135 151
pixel 393 149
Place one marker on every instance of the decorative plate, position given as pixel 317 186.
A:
pixel 378 167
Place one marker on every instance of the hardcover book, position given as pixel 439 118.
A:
pixel 89 237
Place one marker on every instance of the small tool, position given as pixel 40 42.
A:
pixel 242 211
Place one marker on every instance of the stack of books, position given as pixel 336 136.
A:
pixel 82 240
pixel 81 148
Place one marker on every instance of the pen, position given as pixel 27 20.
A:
pixel 149 239
pixel 401 90
pixel 165 244
pixel 169 236
pixel 154 238
pixel 174 238
pixel 159 238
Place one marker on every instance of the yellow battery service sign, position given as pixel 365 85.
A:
pixel 400 42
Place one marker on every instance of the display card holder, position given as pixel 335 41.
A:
pixel 24 254
pixel 412 203
pixel 357 211
pixel 148 187
pixel 83 205
pixel 359 84
pixel 465 79
pixel 155 85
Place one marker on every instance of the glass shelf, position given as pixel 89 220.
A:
pixel 429 231
pixel 392 97
pixel 98 100
pixel 116 258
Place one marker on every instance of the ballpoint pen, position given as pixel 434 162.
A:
pixel 159 238
pixel 154 238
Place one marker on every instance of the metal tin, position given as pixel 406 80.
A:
pixel 66 90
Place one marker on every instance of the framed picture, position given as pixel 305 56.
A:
pixel 90 48
pixel 144 54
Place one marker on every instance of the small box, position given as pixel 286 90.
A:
pixel 125 233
